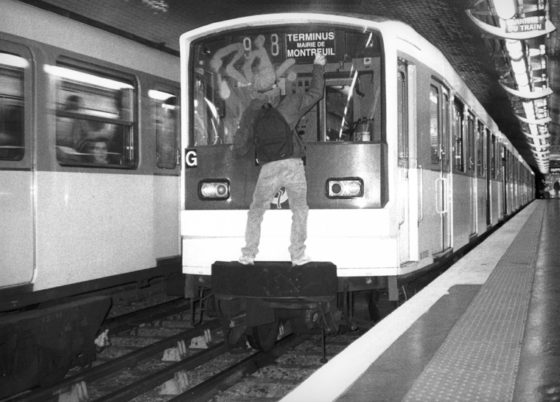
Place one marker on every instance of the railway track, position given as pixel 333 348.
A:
pixel 158 353
pixel 158 349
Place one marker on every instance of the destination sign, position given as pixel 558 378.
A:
pixel 308 44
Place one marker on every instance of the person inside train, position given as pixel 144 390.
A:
pixel 288 173
pixel 96 151
pixel 70 130
pixel 94 145
pixel 74 135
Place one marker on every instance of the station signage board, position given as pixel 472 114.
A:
pixel 525 24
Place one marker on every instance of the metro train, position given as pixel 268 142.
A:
pixel 404 166
pixel 89 194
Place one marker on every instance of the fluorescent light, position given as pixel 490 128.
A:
pixel 159 95
pixel 506 9
pixel 13 60
pixel 86 78
pixel 514 48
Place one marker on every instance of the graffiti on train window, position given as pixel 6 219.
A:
pixel 12 106
pixel 232 69
pixel 94 119
pixel 165 116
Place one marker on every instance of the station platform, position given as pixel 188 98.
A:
pixel 488 329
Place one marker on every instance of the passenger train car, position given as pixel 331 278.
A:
pixel 404 166
pixel 89 173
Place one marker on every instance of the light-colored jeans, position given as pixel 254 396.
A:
pixel 288 173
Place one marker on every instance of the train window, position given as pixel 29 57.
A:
pixel 493 173
pixel 480 150
pixel 502 160
pixel 486 145
pixel 458 142
pixel 402 123
pixel 94 119
pixel 165 112
pixel 445 128
pixel 470 143
pixel 347 117
pixel 12 69
pixel 240 69
pixel 434 126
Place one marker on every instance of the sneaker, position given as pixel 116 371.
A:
pixel 246 260
pixel 301 261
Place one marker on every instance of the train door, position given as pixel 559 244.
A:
pixel 492 185
pixel 471 172
pixel 439 143
pixel 164 107
pixel 461 181
pixel 481 177
pixel 407 198
pixel 446 169
pixel 16 174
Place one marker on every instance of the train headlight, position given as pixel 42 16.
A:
pixel 214 189
pixel 350 187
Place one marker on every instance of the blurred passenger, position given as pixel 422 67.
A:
pixel 166 129
pixel 73 102
pixel 96 151
pixel 70 130
pixel 100 152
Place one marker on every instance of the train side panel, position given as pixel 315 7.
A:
pixel 16 214
pixel 88 227
pixel 482 192
pixel 459 202
pixel 461 210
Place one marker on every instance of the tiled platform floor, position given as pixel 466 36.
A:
pixel 490 333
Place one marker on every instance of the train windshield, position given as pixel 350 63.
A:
pixel 230 69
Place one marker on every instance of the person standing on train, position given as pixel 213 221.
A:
pixel 289 172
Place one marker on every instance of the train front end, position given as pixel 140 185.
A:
pixel 351 220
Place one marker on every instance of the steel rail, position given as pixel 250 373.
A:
pixel 115 365
pixel 233 374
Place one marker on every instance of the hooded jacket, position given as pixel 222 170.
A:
pixel 291 106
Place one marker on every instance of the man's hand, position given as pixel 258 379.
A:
pixel 320 59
